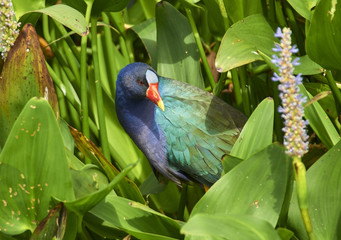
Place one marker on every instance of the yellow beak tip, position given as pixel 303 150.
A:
pixel 161 105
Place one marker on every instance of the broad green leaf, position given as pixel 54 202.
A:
pixel 324 198
pixel 190 3
pixel 88 201
pixel 319 121
pixel 24 75
pixel 257 132
pixel 23 6
pixel 52 226
pixel 327 102
pixel 303 7
pixel 324 35
pixel 215 18
pixel 230 162
pixel 100 6
pixel 87 180
pixel 147 33
pixel 4 236
pixel 308 67
pixel 79 5
pixel 148 7
pixel 221 226
pixel 256 187
pixel 285 234
pixel 239 9
pixel 136 219
pixel 125 188
pixel 151 185
pixel 100 227
pixel 177 53
pixel 242 40
pixel 64 14
pixel 69 143
pixel 33 168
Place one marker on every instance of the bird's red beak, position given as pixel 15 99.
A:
pixel 154 95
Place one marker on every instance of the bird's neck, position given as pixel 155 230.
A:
pixel 141 112
pixel 138 119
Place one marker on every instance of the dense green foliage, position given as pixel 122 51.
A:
pixel 93 182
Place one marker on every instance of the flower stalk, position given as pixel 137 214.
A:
pixel 292 111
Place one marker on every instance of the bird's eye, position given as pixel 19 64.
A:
pixel 140 82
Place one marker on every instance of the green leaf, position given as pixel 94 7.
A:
pixel 33 168
pixel 323 36
pixel 22 6
pixel 87 202
pixel 100 6
pixel 327 102
pixel 242 40
pixel 308 67
pixel 64 14
pixel 79 5
pixel 285 234
pixel 257 132
pixel 230 162
pixel 147 33
pixel 303 7
pixel 177 53
pixel 24 75
pixel 214 17
pixel 87 180
pixel 125 188
pixel 239 9
pixel 221 226
pixel 136 219
pixel 256 187
pixel 190 4
pixel 69 143
pixel 324 198
pixel 319 121
pixel 52 226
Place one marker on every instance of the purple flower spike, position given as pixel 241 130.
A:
pixel 295 62
pixel 294 49
pixel 277 48
pixel 278 33
pixel 292 110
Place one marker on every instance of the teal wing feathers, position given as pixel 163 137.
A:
pixel 198 128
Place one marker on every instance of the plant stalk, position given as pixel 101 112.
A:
pixel 301 190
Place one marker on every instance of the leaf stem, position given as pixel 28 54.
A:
pixel 200 48
pixel 221 84
pixel 56 79
pixel 182 202
pixel 335 90
pixel 294 27
pixel 279 14
pixel 108 43
pixel 98 84
pixel 236 88
pixel 83 79
pixel 245 91
pixel 224 14
pixel 68 39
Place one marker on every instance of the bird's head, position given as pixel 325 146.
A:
pixel 139 80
